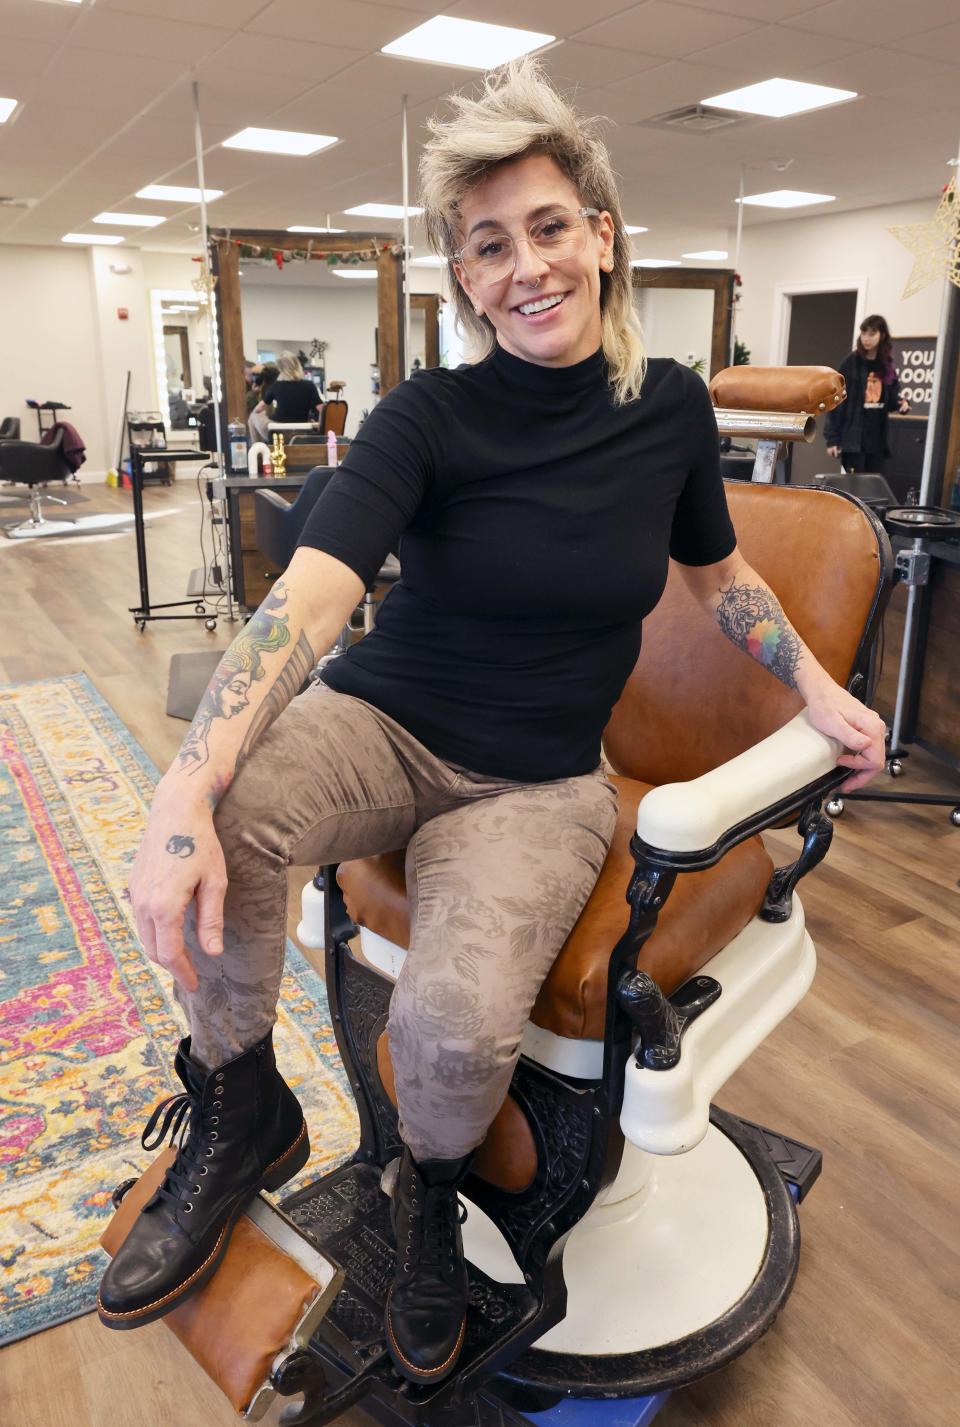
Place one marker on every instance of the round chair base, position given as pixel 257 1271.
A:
pixel 86 525
pixel 714 1257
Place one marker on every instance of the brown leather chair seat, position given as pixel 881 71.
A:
pixel 703 913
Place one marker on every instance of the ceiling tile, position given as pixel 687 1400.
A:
pixel 266 54
pixel 26 20
pixel 595 64
pixel 232 13
pixel 324 107
pixel 547 17
pixel 660 27
pixel 769 11
pixel 672 86
pixel 775 50
pixel 358 25
pixel 882 71
pixel 387 74
pixel 146 35
pixel 935 43
pixel 19 58
pixel 886 21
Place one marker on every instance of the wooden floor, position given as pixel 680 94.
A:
pixel 867 1068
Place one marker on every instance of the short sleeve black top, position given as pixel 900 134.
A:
pixel 296 400
pixel 534 520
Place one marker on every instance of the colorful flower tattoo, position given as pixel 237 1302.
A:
pixel 750 616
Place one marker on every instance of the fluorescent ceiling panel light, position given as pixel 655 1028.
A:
pixel 92 238
pixel 470 44
pixel 173 193
pixel 380 210
pixel 786 198
pixel 632 228
pixel 353 272
pixel 279 141
pixel 709 255
pixel 129 220
pixel 655 263
pixel 301 228
pixel 7 107
pixel 431 262
pixel 776 98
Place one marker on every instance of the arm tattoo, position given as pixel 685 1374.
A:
pixel 750 616
pixel 228 693
pixel 180 846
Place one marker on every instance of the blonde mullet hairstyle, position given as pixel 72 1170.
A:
pixel 520 113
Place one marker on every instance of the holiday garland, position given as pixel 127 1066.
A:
pixel 281 256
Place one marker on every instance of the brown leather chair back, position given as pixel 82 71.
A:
pixel 694 700
pixel 333 417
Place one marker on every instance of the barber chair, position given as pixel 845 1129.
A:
pixel 333 416
pixel 624 1235
pixel 278 527
pixel 28 463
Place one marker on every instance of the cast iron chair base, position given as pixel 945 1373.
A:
pixel 346 1217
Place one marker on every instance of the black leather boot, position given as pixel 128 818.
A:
pixel 245 1132
pixel 426 1315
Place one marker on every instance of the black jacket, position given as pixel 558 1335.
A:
pixel 844 424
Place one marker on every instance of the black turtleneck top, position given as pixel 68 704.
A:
pixel 534 520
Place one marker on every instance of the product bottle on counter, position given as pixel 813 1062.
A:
pixel 237 438
pixel 331 448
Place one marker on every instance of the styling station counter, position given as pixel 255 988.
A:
pixel 252 576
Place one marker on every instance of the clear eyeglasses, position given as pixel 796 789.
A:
pixel 558 235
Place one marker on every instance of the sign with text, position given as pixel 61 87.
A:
pixel 914 359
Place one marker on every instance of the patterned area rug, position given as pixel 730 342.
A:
pixel 88 1025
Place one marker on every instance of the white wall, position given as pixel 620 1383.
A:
pixel 677 322
pixel 830 247
pixel 50 342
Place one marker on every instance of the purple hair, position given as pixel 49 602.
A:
pixel 876 323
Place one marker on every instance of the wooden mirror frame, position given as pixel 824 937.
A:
pixel 719 281
pixel 225 266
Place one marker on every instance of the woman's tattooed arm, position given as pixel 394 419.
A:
pixel 243 665
pixel 751 617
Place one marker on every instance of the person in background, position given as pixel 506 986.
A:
pixel 856 431
pixel 292 396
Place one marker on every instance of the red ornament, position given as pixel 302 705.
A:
pixel 278 259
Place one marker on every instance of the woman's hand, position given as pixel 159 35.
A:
pixel 861 731
pixel 833 451
pixel 904 406
pixel 180 859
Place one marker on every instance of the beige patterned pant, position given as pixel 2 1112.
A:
pixel 497 872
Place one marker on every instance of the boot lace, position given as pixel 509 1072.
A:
pixel 437 1239
pixel 185 1114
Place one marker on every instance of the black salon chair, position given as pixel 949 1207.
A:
pixel 30 464
pixel 10 428
pixel 872 489
pixel 278 527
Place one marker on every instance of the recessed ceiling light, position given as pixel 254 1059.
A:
pixel 709 255
pixel 279 141
pixel 655 262
pixel 173 193
pixel 632 228
pixel 129 220
pixel 776 98
pixel 7 107
pixel 431 262
pixel 353 272
pixel 301 228
pixel 786 198
pixel 470 44
pixel 380 210
pixel 104 238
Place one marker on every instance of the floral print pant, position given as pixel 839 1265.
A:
pixel 497 873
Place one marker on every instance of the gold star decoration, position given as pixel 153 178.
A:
pixel 203 286
pixel 935 245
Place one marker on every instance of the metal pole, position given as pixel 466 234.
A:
pixel 934 452
pixel 405 162
pixel 736 269
pixel 211 322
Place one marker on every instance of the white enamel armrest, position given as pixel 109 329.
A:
pixel 693 816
